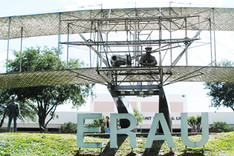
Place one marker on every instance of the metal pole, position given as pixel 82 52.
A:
pixel 211 49
pixel 90 52
pixel 186 45
pixel 199 27
pixel 97 34
pixel 99 46
pixel 160 38
pixel 8 42
pixel 160 62
pixel 170 35
pixel 59 34
pixel 21 47
pixel 68 27
pixel 135 46
pixel 136 38
pixel 214 39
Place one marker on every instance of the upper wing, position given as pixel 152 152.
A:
pixel 55 23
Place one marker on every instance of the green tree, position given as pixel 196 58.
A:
pixel 68 127
pixel 195 123
pixel 138 116
pixel 222 93
pixel 99 123
pixel 47 98
pixel 221 127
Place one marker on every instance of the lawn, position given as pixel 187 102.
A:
pixel 65 144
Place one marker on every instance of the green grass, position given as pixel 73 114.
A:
pixel 65 144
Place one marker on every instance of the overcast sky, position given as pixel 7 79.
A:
pixel 22 7
pixel 196 95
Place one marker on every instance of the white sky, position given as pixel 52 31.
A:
pixel 198 101
pixel 22 7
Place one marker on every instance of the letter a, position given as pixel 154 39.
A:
pixel 167 135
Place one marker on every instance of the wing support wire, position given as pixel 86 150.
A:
pixel 82 76
pixel 185 77
pixel 95 50
pixel 106 79
pixel 185 49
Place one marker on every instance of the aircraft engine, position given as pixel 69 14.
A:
pixel 118 60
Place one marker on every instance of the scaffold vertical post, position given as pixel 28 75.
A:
pixel 211 45
pixel 68 33
pixel 21 47
pixel 214 37
pixel 8 42
pixel 59 35
pixel 160 38
pixel 170 35
pixel 186 44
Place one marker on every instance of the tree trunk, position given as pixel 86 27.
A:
pixel 42 114
pixel 41 118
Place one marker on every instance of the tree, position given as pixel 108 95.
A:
pixel 222 93
pixel 68 127
pixel 221 127
pixel 138 116
pixel 195 123
pixel 47 98
pixel 99 123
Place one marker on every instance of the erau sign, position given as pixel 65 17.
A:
pixel 159 117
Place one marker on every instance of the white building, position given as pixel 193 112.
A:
pixel 147 106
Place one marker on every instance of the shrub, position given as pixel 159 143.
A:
pixel 195 123
pixel 138 116
pixel 68 127
pixel 221 127
pixel 99 123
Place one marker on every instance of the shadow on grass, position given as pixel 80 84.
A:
pixel 84 154
pixel 112 151
pixel 154 150
pixel 107 150
pixel 131 154
pixel 193 154
pixel 200 153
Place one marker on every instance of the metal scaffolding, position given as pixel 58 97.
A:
pixel 136 29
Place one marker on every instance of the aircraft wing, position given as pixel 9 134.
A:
pixel 55 23
pixel 106 75
pixel 50 78
pixel 201 74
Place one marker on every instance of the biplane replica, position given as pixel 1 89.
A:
pixel 118 39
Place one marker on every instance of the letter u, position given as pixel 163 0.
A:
pixel 184 131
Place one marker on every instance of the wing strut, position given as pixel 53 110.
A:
pixel 185 49
pixel 95 50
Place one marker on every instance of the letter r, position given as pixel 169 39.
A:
pixel 114 129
